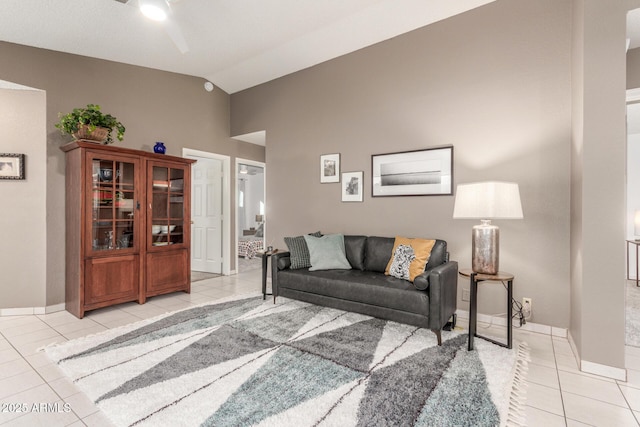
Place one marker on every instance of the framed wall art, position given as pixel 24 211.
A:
pixel 330 168
pixel 426 172
pixel 11 166
pixel 352 186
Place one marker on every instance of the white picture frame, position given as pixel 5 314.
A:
pixel 427 172
pixel 352 186
pixel 329 168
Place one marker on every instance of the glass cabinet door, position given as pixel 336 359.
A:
pixel 167 205
pixel 113 201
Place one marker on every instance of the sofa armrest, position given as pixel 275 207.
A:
pixel 443 293
pixel 279 261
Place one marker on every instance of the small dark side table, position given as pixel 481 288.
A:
pixel 476 278
pixel 265 255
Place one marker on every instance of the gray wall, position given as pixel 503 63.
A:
pixel 494 82
pixel 154 106
pixel 23 258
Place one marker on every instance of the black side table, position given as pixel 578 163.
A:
pixel 476 278
pixel 265 260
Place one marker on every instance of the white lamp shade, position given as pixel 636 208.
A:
pixel 636 224
pixel 488 200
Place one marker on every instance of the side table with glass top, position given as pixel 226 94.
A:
pixel 474 279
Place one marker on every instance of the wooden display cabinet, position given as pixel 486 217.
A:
pixel 128 218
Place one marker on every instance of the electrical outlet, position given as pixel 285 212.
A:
pixel 527 306
pixel 466 295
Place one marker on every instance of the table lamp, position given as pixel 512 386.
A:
pixel 487 201
pixel 636 225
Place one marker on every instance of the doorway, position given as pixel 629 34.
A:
pixel 210 228
pixel 250 214
pixel 632 292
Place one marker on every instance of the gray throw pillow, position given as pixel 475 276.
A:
pixel 299 253
pixel 327 252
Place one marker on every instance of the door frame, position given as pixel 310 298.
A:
pixel 226 201
pixel 264 190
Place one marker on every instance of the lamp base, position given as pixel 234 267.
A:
pixel 485 247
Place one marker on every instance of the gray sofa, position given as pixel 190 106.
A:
pixel 428 302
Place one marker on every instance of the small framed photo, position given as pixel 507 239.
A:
pixel 330 168
pixel 352 183
pixel 11 166
pixel 426 172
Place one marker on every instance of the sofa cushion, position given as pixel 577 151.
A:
pixel 363 287
pixel 327 252
pixel 354 247
pixel 410 256
pixel 439 254
pixel 378 253
pixel 299 251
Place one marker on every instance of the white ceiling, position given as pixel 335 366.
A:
pixel 236 44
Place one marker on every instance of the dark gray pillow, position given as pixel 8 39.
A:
pixel 378 253
pixel 354 247
pixel 299 252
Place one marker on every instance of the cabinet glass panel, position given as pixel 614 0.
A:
pixel 167 206
pixel 113 204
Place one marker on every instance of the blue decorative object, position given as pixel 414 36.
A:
pixel 159 148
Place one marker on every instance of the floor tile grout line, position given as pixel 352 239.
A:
pixel 555 361
pixel 624 396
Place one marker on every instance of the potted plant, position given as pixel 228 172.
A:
pixel 91 124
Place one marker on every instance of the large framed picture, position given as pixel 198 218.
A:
pixel 330 168
pixel 426 172
pixel 352 186
pixel 11 166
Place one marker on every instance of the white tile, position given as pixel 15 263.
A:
pixel 9 355
pixel 14 367
pixel 545 398
pixel 596 413
pixel 58 318
pixel 574 423
pixel 543 375
pixel 19 383
pixel 84 332
pixel 75 326
pixel 97 419
pixel 537 417
pixel 592 388
pixel 34 347
pixel 30 327
pixel 38 359
pixel 633 397
pixel 562 347
pixel 81 405
pixel 39 335
pixel 64 387
pixel 50 372
pixel 47 416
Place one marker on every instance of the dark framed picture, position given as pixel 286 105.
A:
pixel 352 186
pixel 11 166
pixel 426 172
pixel 330 168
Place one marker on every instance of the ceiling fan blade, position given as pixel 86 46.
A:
pixel 175 33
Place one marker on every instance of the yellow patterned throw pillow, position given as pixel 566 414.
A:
pixel 409 258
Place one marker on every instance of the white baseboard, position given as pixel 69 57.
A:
pixel 529 326
pixel 607 371
pixel 619 374
pixel 29 311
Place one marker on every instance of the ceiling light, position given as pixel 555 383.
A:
pixel 156 10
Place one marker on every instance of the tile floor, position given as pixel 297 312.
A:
pixel 558 394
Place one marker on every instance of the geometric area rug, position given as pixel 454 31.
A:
pixel 249 362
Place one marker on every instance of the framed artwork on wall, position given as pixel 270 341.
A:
pixel 352 186
pixel 426 172
pixel 11 166
pixel 330 168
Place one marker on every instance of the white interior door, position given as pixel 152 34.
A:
pixel 206 213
